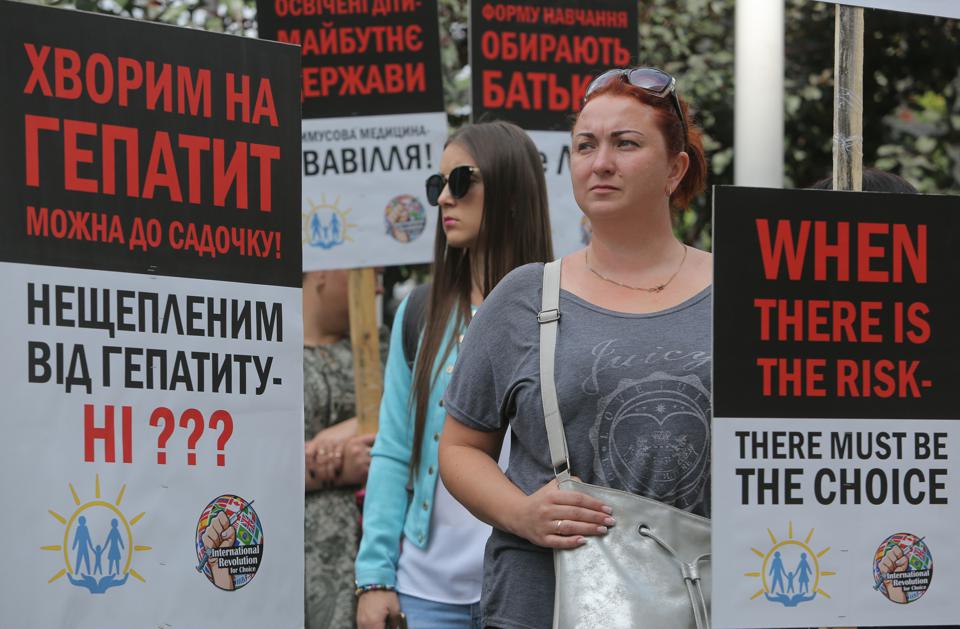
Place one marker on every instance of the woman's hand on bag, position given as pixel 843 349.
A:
pixel 374 606
pixel 555 518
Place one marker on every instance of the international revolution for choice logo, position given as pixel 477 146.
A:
pixel 903 568
pixel 405 218
pixel 97 549
pixel 229 542
pixel 790 570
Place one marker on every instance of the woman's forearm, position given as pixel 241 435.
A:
pixel 475 479
pixel 384 513
pixel 471 474
pixel 549 517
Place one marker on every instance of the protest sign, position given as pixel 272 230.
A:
pixel 150 259
pixel 531 62
pixel 373 129
pixel 835 424
pixel 942 8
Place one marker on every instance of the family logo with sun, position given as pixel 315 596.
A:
pixel 325 225
pixel 790 571
pixel 98 548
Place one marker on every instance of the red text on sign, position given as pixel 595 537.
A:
pixel 810 377
pixel 532 91
pixel 107 433
pixel 192 422
pixel 832 251
pixel 104 80
pixel 86 145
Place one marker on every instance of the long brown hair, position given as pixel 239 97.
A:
pixel 514 230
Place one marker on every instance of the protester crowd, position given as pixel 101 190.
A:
pixel 441 476
pixel 462 510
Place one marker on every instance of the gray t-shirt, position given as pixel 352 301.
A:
pixel 634 393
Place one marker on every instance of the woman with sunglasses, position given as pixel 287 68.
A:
pixel 493 218
pixel 632 357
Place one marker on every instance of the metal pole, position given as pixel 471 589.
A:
pixel 758 94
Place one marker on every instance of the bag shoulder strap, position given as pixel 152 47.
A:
pixel 413 321
pixel 549 317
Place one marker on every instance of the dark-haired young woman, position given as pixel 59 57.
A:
pixel 632 361
pixel 493 218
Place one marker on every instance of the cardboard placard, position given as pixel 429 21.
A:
pixel 835 432
pixel 531 63
pixel 153 383
pixel 374 126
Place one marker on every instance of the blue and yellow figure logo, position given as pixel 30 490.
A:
pixel 98 544
pixel 790 573
pixel 325 225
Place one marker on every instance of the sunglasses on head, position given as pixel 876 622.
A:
pixel 651 80
pixel 459 181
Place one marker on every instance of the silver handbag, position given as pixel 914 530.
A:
pixel 652 569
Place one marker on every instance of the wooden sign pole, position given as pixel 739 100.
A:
pixel 848 99
pixel 365 339
pixel 848 103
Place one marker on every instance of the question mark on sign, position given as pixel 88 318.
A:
pixel 192 415
pixel 218 418
pixel 165 414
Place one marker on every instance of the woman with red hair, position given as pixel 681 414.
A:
pixel 632 360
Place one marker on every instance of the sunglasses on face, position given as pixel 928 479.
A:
pixel 459 181
pixel 651 80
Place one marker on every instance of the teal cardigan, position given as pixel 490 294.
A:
pixel 389 510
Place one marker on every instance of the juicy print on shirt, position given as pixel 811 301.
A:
pixel 651 436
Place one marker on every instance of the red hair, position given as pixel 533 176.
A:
pixel 695 179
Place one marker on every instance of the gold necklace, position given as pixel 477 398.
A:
pixel 655 289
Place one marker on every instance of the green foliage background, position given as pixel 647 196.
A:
pixel 911 81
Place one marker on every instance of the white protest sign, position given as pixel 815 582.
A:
pixel 363 189
pixel 373 127
pixel 119 483
pixel 150 261
pixel 825 509
pixel 571 229
pixel 835 429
